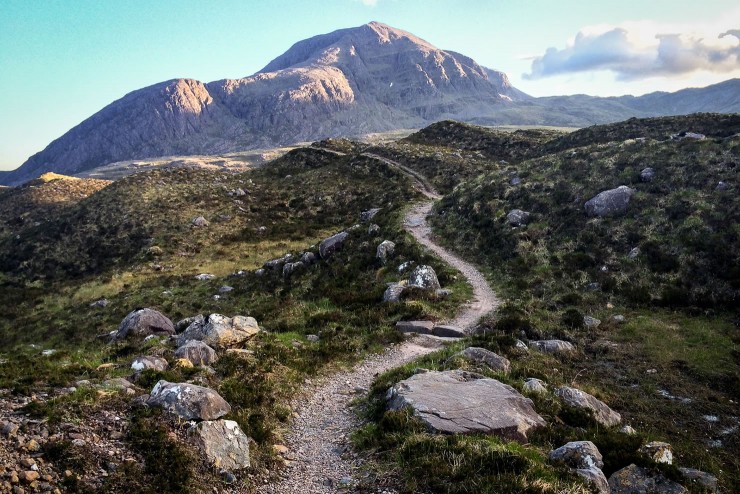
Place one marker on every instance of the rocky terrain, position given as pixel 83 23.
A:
pixel 324 323
pixel 367 79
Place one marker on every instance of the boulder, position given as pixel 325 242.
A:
pixel 219 331
pixel 517 217
pixel 659 452
pixel 636 480
pixel 384 251
pixel 534 385
pixel 308 258
pixel 197 352
pixel 183 324
pixel 634 253
pixel 619 319
pixel 611 202
pixel 703 479
pixel 366 216
pixel 205 277
pixel 629 430
pixel 591 322
pixel 447 331
pixel 424 277
pixel 329 246
pixel 200 221
pixel 188 401
pixel 290 268
pixel 142 323
pixel 647 174
pixel 223 443
pixel 393 292
pixel 155 363
pixel 277 264
pixel 553 346
pixel 423 327
pixel 596 477
pixel 580 399
pixel 458 402
pixel 373 230
pixel 225 289
pixel 578 454
pixel 482 356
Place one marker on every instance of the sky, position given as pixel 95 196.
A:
pixel 63 60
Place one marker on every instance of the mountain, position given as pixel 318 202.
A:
pixel 371 78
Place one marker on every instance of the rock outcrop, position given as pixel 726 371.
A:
pixel 188 401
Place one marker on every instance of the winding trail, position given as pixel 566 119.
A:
pixel 320 459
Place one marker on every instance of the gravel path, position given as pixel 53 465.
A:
pixel 321 460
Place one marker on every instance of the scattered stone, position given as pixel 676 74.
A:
pixel 277 264
pixel 442 293
pixel 404 266
pixel 197 352
pixel 200 221
pixel 239 192
pixel 704 479
pixel 578 454
pixel 593 287
pixel 515 181
pixel 219 331
pixel 329 246
pixel 634 253
pixel 636 480
pixel 596 477
pixel 144 322
pixel 290 268
pixel 384 251
pixel 393 292
pixel 373 230
pixel 447 331
pixel 226 289
pixel 223 443
pixel 155 363
pixel 553 346
pixel 462 402
pixel 308 258
pixel 534 385
pixel 688 135
pixel 482 356
pixel 423 327
pixel 424 277
pixel 517 217
pixel 628 429
pixel 619 319
pixel 721 186
pixel 647 174
pixel 205 277
pixel 188 401
pixel 659 452
pixel 183 324
pixel 580 399
pixel 312 338
pixel 100 303
pixel 29 476
pixel 611 202
pixel 591 322
pixel 366 216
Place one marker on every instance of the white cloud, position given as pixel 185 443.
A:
pixel 643 49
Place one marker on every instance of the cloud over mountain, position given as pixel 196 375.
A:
pixel 630 54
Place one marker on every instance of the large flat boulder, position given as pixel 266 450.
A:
pixel 188 401
pixel 636 480
pixel 553 346
pixel 142 323
pixel 458 402
pixel 223 443
pixel 219 331
pixel 610 202
pixel 580 399
pixel 424 277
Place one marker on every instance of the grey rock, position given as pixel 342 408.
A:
pixel 188 401
pixel 366 216
pixel 578 454
pixel 259 272
pixel 424 277
pixel 596 477
pixel 458 402
pixel 205 277
pixel 534 385
pixel 393 292
pixel 442 293
pixel 308 258
pixel 313 338
pixel 384 250
pixel 404 266
pixel 373 230
pixel 658 451
pixel 628 429
pixel 647 174
pixel 219 331
pixel 291 268
pixel 142 323
pixel 636 480
pixel 329 246
pixel 619 319
pixel 634 253
pixel 199 221
pixel 118 383
pixel 223 443
pixel 704 479
pixel 183 324
pixel 447 331
pixel 515 181
pixel 482 356
pixel 591 322
pixel 593 287
pixel 423 327
pixel 197 352
pixel 580 399
pixel 517 217
pixel 610 202
pixel 553 346
pixel 155 363
pixel 721 186
pixel 226 289
pixel 239 192
pixel 688 135
pixel 100 303
pixel 277 264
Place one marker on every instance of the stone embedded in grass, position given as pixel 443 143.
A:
pixel 553 346
pixel 458 402
pixel 647 174
pixel 482 356
pixel 373 230
pixel 183 324
pixel 517 217
pixel 584 458
pixel 197 352
pixel 223 443
pixel 199 222
pixel 393 292
pixel 636 480
pixel 219 331
pixel 384 250
pixel 142 323
pixel 619 319
pixel 703 479
pixel 591 322
pixel 308 258
pixel 188 401
pixel 329 246
pixel 658 451
pixel 448 331
pixel 148 362
pixel 424 277
pixel 534 385
pixel 610 202
pixel 366 216
pixel 291 268
pixel 580 399
pixel 205 277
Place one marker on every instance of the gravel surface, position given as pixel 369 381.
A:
pixel 320 455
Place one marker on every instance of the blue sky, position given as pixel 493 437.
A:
pixel 63 60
